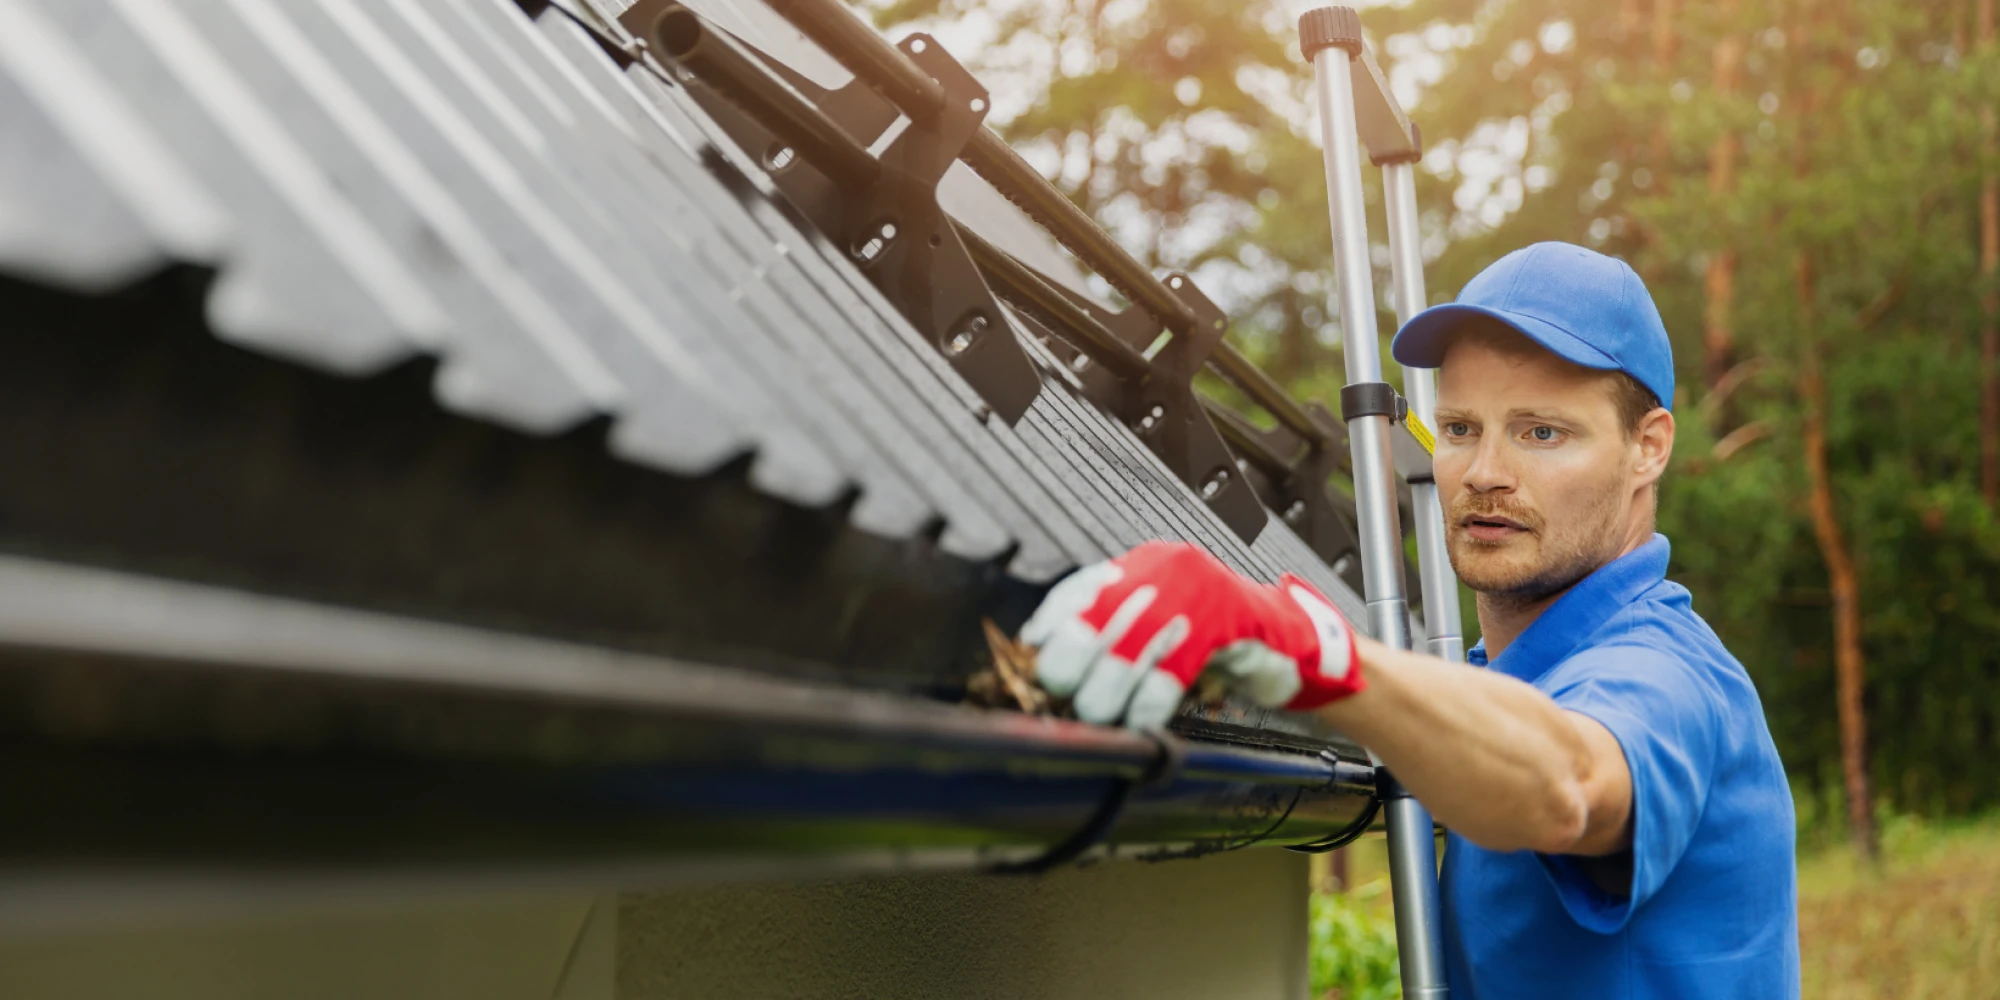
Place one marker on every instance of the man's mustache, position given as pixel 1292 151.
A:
pixel 1470 506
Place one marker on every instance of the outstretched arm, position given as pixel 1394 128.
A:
pixel 1494 759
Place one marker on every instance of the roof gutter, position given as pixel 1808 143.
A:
pixel 161 727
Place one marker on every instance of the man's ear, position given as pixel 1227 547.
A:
pixel 1655 438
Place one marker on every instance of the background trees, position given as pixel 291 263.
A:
pixel 1808 188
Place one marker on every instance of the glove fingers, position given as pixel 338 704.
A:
pixel 1257 673
pixel 1156 700
pixel 1072 647
pixel 1068 600
pixel 1066 652
pixel 1113 678
pixel 1126 638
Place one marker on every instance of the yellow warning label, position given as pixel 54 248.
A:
pixel 1421 433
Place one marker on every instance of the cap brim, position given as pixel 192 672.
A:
pixel 1422 341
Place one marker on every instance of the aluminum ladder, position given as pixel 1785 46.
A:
pixel 1388 436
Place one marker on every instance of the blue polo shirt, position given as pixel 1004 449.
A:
pixel 1712 908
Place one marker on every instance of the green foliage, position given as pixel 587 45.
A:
pixel 1857 131
pixel 1353 945
pixel 1859 156
pixel 1185 126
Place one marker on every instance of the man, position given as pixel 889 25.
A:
pixel 1620 824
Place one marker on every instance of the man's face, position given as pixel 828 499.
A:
pixel 1540 482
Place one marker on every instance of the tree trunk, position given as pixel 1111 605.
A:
pixel 1718 339
pixel 1843 579
pixel 1663 34
pixel 1294 356
pixel 1989 271
pixel 1850 666
pixel 1663 64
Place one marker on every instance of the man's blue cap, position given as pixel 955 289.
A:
pixel 1585 307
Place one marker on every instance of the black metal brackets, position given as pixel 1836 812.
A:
pixel 922 265
pixel 881 212
pixel 1181 433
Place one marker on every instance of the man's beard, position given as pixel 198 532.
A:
pixel 1566 553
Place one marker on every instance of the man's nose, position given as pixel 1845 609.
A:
pixel 1490 471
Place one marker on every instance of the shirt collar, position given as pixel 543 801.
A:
pixel 1575 616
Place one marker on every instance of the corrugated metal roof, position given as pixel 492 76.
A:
pixel 569 239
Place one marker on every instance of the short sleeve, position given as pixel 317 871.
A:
pixel 1667 718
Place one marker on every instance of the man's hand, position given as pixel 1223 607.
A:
pixel 1127 637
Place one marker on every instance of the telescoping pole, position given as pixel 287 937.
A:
pixel 1445 638
pixel 1330 37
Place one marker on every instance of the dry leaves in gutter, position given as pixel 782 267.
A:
pixel 1010 681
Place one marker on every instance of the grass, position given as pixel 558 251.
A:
pixel 1925 924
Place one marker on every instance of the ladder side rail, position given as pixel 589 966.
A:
pixel 1331 38
pixel 1446 638
pixel 1368 435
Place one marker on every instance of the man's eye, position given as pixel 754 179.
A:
pixel 1543 433
pixel 1458 428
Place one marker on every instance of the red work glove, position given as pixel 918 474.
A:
pixel 1127 637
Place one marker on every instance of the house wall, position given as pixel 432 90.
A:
pixel 181 947
pixel 1231 925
